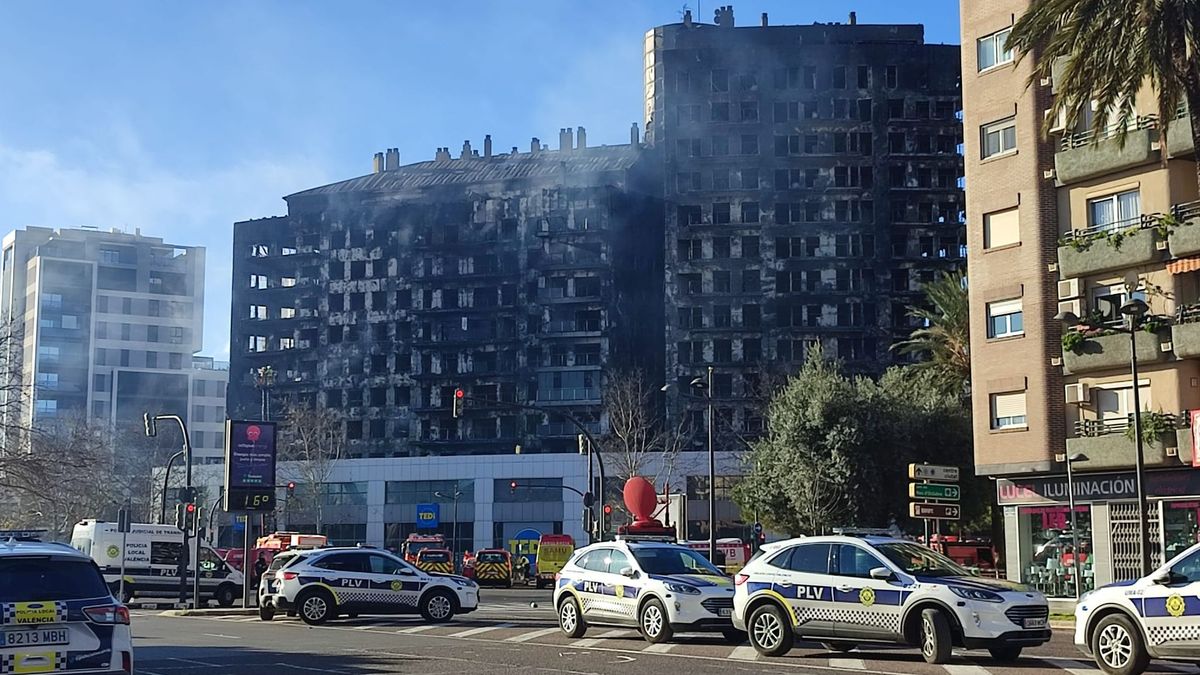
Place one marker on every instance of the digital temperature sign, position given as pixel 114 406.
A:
pixel 249 466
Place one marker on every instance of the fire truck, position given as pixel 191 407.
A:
pixel 416 542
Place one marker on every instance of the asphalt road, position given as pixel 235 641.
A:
pixel 507 635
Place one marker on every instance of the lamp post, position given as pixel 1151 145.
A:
pixel 704 384
pixel 454 495
pixel 1078 572
pixel 1134 310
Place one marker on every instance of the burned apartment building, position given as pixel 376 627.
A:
pixel 812 184
pixel 521 277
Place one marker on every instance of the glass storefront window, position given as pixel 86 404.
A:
pixel 1051 563
pixel 1181 526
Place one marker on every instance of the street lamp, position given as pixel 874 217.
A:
pixel 704 384
pixel 454 495
pixel 1134 310
pixel 1078 572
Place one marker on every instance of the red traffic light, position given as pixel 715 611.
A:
pixel 191 508
pixel 512 485
pixel 459 393
pixel 291 485
pixel 608 509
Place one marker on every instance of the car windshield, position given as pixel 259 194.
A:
pixel 916 559
pixel 491 557
pixel 657 560
pixel 34 579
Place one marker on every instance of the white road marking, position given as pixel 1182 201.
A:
pixel 371 626
pixel 414 629
pixel 965 669
pixel 532 635
pixel 482 629
pixel 661 648
pixel 592 642
pixel 206 664
pixel 744 653
pixel 853 664
pixel 218 635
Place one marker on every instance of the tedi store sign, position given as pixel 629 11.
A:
pixel 1095 487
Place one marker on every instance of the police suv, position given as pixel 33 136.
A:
pixel 324 583
pixel 1124 625
pixel 846 590
pixel 57 614
pixel 660 588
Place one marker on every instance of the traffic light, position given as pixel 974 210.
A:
pixel 187 495
pixel 459 397
pixel 151 426
pixel 291 487
pixel 608 509
pixel 189 519
pixel 179 516
pixel 588 499
pixel 512 487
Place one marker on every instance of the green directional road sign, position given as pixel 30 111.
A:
pixel 950 493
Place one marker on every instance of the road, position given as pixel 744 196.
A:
pixel 506 636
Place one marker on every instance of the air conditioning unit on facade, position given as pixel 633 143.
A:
pixel 1069 288
pixel 1073 306
pixel 1078 393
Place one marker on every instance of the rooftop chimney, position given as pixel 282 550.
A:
pixel 487 146
pixel 634 138
pixel 377 164
pixel 764 19
pixel 564 139
pixel 723 16
pixel 581 138
pixel 853 18
pixel 443 155
pixel 391 159
pixel 687 18
pixel 514 150
pixel 466 150
pixel 535 144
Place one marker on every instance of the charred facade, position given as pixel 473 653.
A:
pixel 811 183
pixel 521 277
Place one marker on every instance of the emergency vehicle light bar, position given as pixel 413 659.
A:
pixel 662 538
pixel 863 531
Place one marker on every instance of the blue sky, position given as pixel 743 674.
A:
pixel 181 118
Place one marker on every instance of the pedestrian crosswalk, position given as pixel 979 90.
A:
pixel 1055 659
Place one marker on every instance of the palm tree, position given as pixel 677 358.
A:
pixel 943 341
pixel 1112 48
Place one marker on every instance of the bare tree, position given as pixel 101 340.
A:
pixel 637 440
pixel 311 441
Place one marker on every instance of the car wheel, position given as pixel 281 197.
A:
pixel 654 623
pixel 225 595
pixel 733 636
pixel 841 647
pixel 1118 646
pixel 1005 653
pixel 770 632
pixel 570 619
pixel 315 607
pixel 936 640
pixel 437 607
pixel 265 613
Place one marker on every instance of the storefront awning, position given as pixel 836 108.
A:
pixel 1184 265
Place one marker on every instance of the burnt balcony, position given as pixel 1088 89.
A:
pixel 1095 153
pixel 1109 444
pixel 1111 352
pixel 1112 246
pixel 1184 237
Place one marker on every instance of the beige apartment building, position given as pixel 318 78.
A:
pixel 1075 221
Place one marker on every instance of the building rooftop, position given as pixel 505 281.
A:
pixel 476 169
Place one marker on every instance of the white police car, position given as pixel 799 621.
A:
pixel 659 588
pixel 324 583
pixel 1124 625
pixel 843 591
pixel 57 614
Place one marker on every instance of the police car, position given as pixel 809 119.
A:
pixel 268 585
pixel 660 588
pixel 847 590
pixel 1124 625
pixel 324 583
pixel 57 614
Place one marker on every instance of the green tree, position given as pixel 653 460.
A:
pixel 1111 49
pixel 943 341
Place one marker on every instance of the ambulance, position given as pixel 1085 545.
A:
pixel 152 561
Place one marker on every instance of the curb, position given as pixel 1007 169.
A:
pixel 235 611
pixel 1062 625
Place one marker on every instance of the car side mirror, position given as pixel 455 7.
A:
pixel 881 573
pixel 1162 578
pixel 628 572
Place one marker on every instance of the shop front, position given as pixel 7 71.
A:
pixel 1043 551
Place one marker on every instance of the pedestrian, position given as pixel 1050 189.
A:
pixel 260 568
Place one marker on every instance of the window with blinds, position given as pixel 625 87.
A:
pixel 1008 410
pixel 1002 228
pixel 1005 318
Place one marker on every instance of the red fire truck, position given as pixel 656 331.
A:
pixel 415 543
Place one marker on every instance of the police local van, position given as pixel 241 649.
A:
pixel 152 561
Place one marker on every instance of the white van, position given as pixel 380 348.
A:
pixel 152 562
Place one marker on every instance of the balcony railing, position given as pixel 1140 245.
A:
pixel 1092 136
pixel 1119 425
pixel 1142 222
pixel 569 326
pixel 579 394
